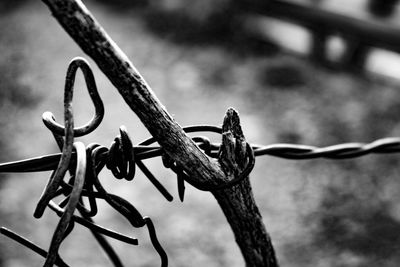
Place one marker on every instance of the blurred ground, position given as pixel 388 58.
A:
pixel 319 212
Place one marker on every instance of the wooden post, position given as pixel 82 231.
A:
pixel 237 203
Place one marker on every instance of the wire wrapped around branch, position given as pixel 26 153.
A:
pixel 86 163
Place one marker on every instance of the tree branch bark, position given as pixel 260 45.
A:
pixel 237 203
pixel 94 41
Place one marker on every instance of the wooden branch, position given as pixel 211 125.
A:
pixel 94 41
pixel 237 203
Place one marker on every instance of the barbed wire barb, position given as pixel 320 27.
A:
pixel 85 163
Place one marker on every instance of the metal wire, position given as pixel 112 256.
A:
pixel 29 244
pixel 65 222
pixel 85 163
pixel 387 145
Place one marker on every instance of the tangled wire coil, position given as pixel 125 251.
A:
pixel 85 163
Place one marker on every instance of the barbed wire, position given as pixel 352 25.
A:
pixel 141 151
pixel 85 163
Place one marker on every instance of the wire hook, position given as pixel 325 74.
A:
pixel 48 117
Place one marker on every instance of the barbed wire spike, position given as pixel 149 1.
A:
pixel 236 156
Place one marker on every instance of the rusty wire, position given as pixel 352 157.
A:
pixel 121 158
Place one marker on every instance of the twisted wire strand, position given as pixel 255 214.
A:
pixel 387 145
pixel 121 158
pixel 340 151
pixel 143 151
pixel 146 150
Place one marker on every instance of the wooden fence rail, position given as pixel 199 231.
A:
pixel 359 34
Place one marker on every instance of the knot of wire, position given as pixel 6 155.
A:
pixel 84 164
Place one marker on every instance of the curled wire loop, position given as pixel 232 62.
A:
pixel 121 157
pixel 48 117
pixel 86 184
pixel 68 130
pixel 85 164
pixel 64 163
pixel 124 207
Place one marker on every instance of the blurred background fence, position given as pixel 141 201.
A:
pixel 358 35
